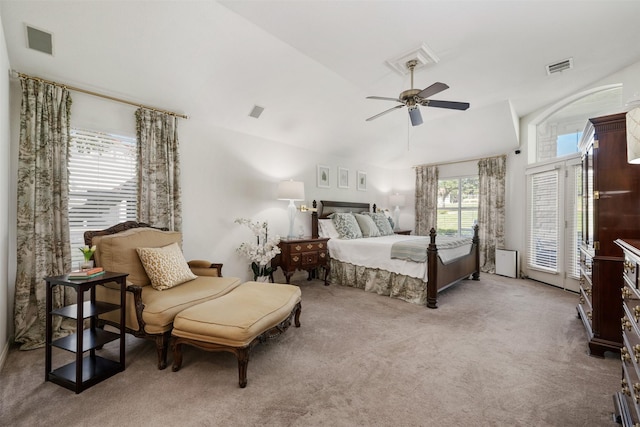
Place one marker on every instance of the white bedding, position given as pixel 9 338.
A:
pixel 375 252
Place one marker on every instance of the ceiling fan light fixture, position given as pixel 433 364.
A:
pixel 415 116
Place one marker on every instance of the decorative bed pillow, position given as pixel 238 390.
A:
pixel 346 225
pixel 165 266
pixel 382 222
pixel 367 226
pixel 327 229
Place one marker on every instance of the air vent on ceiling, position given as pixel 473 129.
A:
pixel 39 40
pixel 559 67
pixel 257 110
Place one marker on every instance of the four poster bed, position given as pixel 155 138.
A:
pixel 391 264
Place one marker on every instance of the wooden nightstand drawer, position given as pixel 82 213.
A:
pixel 630 271
pixel 308 246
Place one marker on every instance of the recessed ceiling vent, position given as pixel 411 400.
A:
pixel 559 67
pixel 257 110
pixel 39 40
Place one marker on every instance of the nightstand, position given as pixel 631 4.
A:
pixel 305 253
pixel 406 232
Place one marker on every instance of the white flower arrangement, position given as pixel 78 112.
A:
pixel 262 251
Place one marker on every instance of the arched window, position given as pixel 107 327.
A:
pixel 558 135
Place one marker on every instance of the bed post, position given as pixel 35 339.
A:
pixel 314 220
pixel 476 244
pixel 432 271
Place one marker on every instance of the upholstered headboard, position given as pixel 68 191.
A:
pixel 327 207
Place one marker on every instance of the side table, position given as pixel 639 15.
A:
pixel 88 370
pixel 406 232
pixel 306 253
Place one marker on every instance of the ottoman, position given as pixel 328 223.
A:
pixel 236 321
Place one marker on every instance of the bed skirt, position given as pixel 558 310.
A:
pixel 382 282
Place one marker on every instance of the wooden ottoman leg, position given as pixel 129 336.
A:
pixel 177 356
pixel 243 362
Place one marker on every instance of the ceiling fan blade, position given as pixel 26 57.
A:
pixel 384 98
pixel 446 104
pixel 384 112
pixel 432 90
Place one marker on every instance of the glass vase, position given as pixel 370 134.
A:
pixel 86 264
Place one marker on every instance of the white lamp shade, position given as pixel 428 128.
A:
pixel 633 136
pixel 397 200
pixel 291 190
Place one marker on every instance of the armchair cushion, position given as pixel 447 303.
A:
pixel 165 266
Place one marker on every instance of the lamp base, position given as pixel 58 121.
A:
pixel 396 219
pixel 291 210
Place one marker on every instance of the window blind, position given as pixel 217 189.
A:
pixel 543 232
pixel 574 223
pixel 102 183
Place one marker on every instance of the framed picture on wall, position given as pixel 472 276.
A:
pixel 323 176
pixel 343 177
pixel 362 181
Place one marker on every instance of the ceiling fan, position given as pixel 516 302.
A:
pixel 412 98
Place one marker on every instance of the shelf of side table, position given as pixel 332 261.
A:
pixel 88 370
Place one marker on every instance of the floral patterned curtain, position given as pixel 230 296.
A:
pixel 491 172
pixel 159 195
pixel 426 199
pixel 42 236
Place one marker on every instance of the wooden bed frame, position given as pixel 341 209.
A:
pixel 440 275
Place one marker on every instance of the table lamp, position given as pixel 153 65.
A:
pixel 398 201
pixel 291 190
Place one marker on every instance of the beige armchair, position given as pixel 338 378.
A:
pixel 150 312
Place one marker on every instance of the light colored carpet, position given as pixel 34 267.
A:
pixel 497 352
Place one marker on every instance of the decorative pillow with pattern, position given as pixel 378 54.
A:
pixel 382 222
pixel 165 266
pixel 367 226
pixel 327 229
pixel 346 225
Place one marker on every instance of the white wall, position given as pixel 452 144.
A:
pixel 5 179
pixel 226 175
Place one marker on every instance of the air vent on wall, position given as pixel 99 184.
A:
pixel 559 67
pixel 39 40
pixel 257 110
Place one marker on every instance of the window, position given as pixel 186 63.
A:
pixel 457 206
pixel 102 183
pixel 558 135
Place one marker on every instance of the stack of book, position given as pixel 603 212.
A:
pixel 86 274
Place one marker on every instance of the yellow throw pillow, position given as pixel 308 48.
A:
pixel 165 266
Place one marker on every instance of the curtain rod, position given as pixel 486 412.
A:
pixel 457 161
pixel 17 74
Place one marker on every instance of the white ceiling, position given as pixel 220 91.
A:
pixel 311 64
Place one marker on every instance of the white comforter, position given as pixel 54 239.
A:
pixel 375 252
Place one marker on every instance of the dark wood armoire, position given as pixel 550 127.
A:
pixel 610 210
